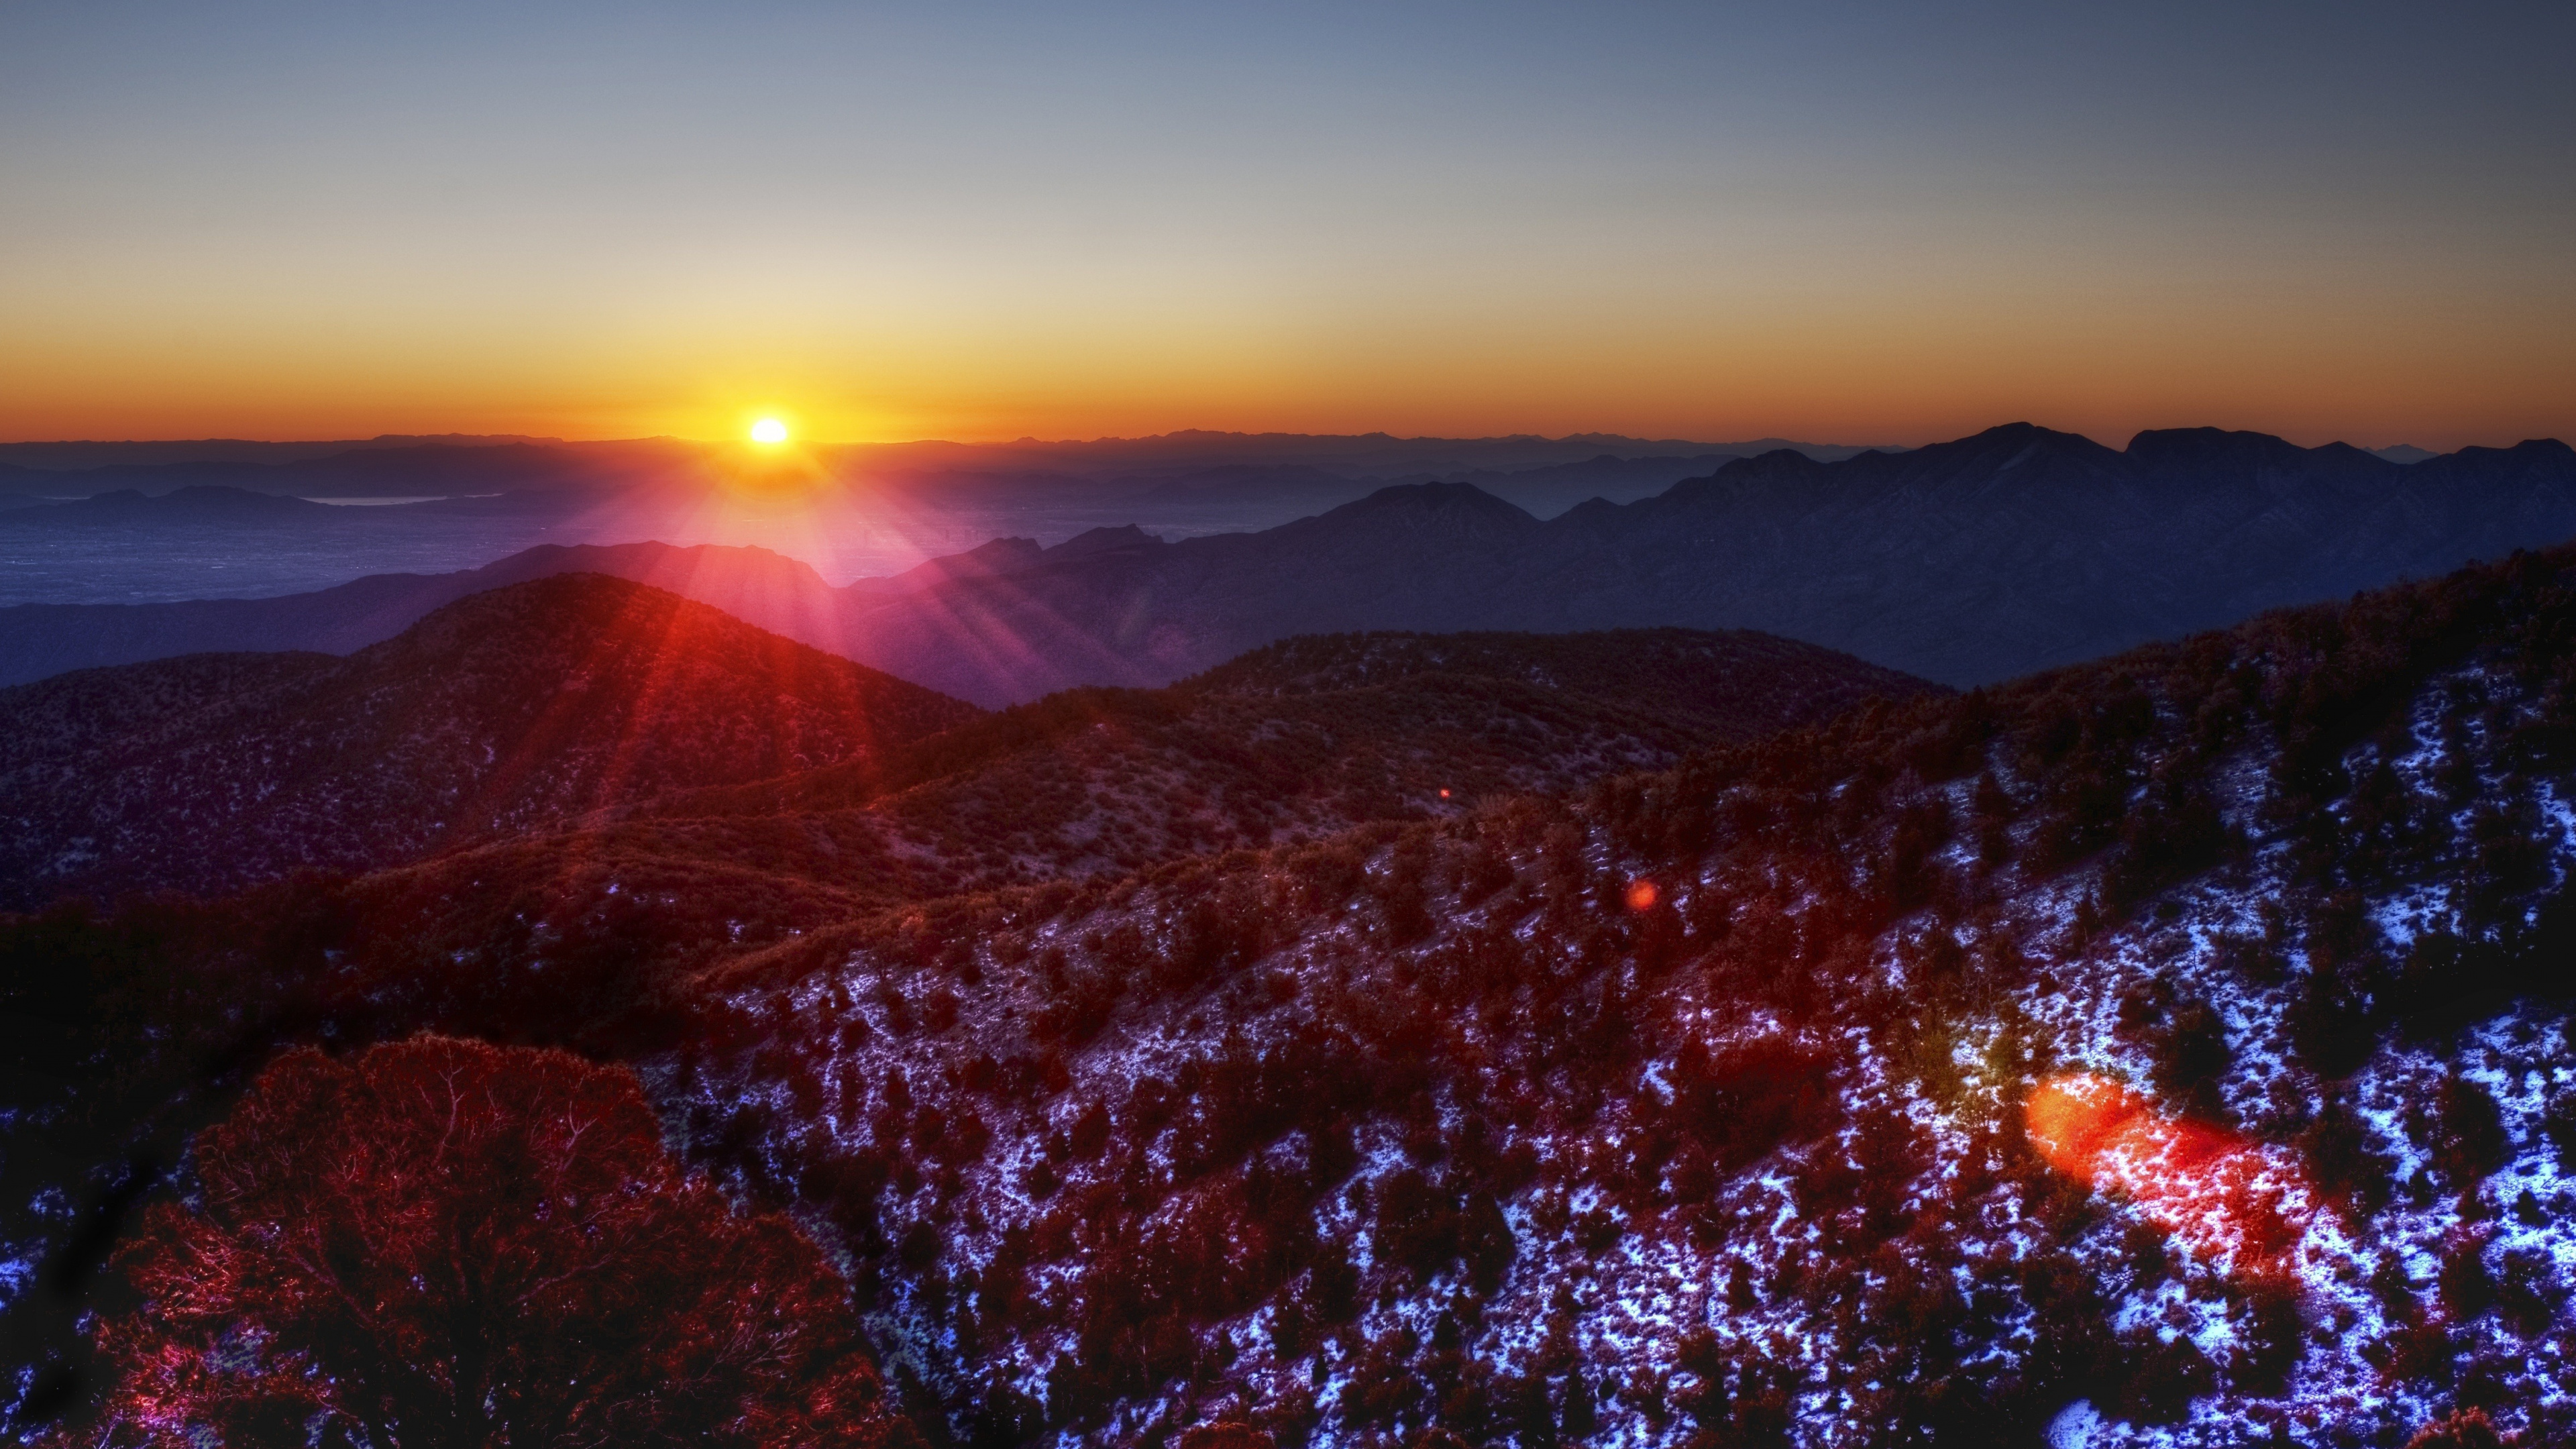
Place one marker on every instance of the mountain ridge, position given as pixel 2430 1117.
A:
pixel 307 760
pixel 235 460
pixel 1966 561
pixel 510 707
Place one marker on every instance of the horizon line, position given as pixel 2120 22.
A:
pixel 499 439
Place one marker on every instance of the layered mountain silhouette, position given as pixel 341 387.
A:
pixel 410 464
pixel 1970 561
pixel 1543 491
pixel 1963 562
pixel 395 466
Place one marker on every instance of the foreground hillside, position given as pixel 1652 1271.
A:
pixel 2167 1050
pixel 494 715
pixel 2172 1049
pixel 1089 784
pixel 588 936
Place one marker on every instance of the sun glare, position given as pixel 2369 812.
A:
pixel 769 430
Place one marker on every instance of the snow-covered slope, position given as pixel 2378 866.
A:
pixel 2171 1050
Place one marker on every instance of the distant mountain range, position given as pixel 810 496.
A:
pixel 399 470
pixel 221 505
pixel 84 454
pixel 196 503
pixel 381 464
pixel 1968 561
pixel 437 481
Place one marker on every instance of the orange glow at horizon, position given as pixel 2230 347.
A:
pixel 2226 1199
pixel 938 229
pixel 1890 380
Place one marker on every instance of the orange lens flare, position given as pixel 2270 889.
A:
pixel 2226 1199
pixel 1642 895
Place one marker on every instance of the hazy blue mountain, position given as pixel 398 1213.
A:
pixel 197 503
pixel 1967 561
pixel 392 470
pixel 1973 560
pixel 76 455
pixel 1204 462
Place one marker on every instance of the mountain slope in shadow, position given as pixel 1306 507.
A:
pixel 38 641
pixel 501 721
pixel 495 714
pixel 1298 742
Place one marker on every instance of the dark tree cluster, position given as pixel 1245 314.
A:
pixel 441 1242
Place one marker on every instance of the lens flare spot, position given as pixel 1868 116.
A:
pixel 1642 895
pixel 2224 1198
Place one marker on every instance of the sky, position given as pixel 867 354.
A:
pixel 1841 222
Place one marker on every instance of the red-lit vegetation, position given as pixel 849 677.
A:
pixel 441 1243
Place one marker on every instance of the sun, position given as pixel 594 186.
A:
pixel 769 430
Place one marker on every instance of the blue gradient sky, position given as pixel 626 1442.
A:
pixel 1863 222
